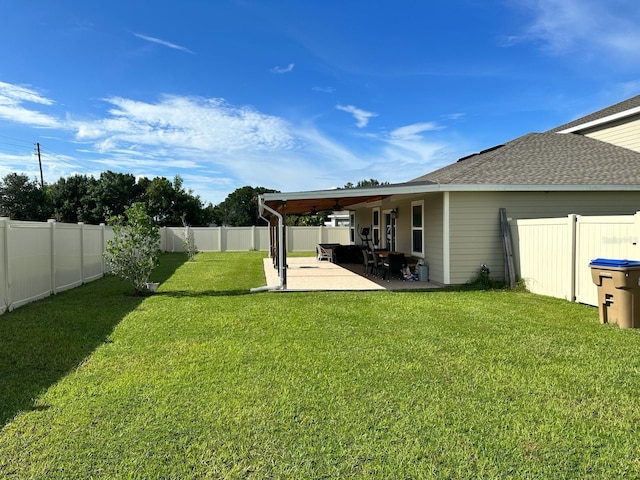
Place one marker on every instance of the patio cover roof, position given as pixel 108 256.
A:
pixel 337 199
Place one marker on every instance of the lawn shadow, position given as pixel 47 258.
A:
pixel 40 343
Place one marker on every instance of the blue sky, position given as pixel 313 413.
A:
pixel 298 95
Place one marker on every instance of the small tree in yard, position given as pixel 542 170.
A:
pixel 134 251
pixel 188 240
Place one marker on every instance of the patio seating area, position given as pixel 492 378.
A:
pixel 310 274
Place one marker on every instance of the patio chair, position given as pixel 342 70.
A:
pixel 323 253
pixel 393 266
pixel 370 262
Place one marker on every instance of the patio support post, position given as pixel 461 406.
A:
pixel 282 270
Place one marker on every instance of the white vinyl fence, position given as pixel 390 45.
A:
pixel 234 239
pixel 552 255
pixel 38 259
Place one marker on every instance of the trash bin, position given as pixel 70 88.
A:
pixel 423 273
pixel 618 284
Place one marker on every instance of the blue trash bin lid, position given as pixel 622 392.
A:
pixel 613 262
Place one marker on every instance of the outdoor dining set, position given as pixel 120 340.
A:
pixel 380 263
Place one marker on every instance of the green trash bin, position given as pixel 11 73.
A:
pixel 618 283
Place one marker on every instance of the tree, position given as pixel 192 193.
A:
pixel 22 199
pixel 72 199
pixel 133 252
pixel 160 200
pixel 112 193
pixel 170 204
pixel 372 182
pixel 306 220
pixel 240 208
pixel 188 241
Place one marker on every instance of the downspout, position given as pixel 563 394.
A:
pixel 283 284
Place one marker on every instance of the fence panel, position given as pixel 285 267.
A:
pixel 542 253
pixel 238 238
pixel 30 265
pixel 340 235
pixel 553 255
pixel 301 239
pixel 206 239
pixel 93 243
pixel 601 237
pixel 262 239
pixel 67 260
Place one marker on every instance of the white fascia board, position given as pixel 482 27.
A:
pixel 406 189
pixel 353 192
pixel 538 188
pixel 603 120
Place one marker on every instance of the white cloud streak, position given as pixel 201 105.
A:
pixel 164 43
pixel 362 116
pixel 11 99
pixel 287 69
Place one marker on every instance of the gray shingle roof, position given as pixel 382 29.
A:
pixel 632 102
pixel 544 159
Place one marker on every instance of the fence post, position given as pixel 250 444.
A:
pixel 573 252
pixel 253 237
pixel 635 242
pixel 104 246
pixel 4 225
pixel 52 247
pixel 81 251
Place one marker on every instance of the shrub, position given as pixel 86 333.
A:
pixel 134 251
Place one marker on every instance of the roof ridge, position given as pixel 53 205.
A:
pixel 619 107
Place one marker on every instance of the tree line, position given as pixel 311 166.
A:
pixel 84 198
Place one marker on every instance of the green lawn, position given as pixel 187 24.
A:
pixel 205 380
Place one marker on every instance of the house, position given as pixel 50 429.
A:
pixel 450 217
pixel 338 219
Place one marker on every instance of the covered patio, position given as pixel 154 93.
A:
pixel 306 274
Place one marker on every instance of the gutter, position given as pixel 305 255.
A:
pixel 281 273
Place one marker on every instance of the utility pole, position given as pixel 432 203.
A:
pixel 40 163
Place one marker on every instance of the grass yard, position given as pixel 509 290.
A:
pixel 205 380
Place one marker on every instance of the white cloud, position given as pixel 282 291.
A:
pixel 362 116
pixel 287 69
pixel 324 89
pixel 12 94
pixel 11 99
pixel 410 132
pixel 163 43
pixel 454 116
pixel 585 26
pixel 190 123
pixel 217 147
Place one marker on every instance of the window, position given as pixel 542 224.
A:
pixel 417 229
pixel 390 229
pixel 352 227
pixel 375 227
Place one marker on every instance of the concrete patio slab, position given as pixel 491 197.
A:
pixel 309 274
